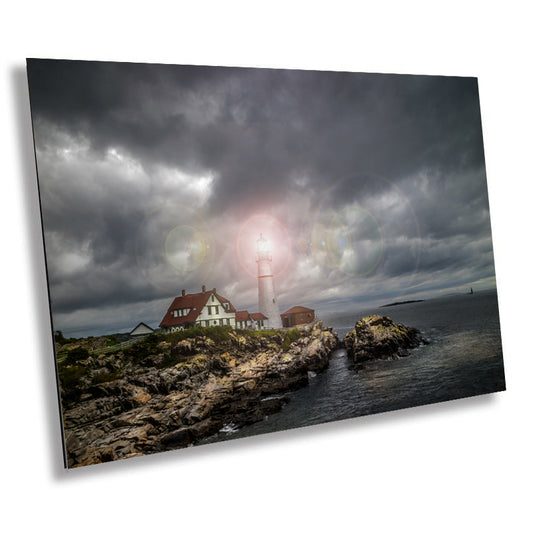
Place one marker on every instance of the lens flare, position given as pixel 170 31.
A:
pixel 349 240
pixel 174 238
pixel 186 248
pixel 278 240
pixel 366 228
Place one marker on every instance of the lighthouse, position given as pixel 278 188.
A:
pixel 268 304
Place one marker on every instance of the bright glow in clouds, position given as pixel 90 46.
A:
pixel 262 245
pixel 277 240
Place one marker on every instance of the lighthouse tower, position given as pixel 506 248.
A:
pixel 268 304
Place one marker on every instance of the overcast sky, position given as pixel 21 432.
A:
pixel 156 178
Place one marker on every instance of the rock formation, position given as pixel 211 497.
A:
pixel 172 391
pixel 378 337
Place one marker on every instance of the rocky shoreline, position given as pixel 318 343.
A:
pixel 172 391
pixel 166 392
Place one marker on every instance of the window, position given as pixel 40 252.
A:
pixel 208 309
pixel 216 309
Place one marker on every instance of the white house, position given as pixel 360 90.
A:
pixel 206 308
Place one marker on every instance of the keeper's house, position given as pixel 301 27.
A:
pixel 206 308
pixel 296 316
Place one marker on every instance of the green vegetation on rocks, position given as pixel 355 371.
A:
pixel 169 391
pixel 290 336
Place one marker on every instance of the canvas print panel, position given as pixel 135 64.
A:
pixel 234 251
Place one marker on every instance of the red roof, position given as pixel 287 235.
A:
pixel 242 315
pixel 226 301
pixel 298 309
pixel 258 316
pixel 195 302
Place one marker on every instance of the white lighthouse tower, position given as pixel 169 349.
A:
pixel 268 305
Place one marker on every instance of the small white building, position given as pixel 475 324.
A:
pixel 141 329
pixel 246 320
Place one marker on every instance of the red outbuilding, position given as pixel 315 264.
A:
pixel 297 315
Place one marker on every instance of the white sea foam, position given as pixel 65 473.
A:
pixel 229 428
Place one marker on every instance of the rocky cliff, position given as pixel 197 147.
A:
pixel 378 337
pixel 171 391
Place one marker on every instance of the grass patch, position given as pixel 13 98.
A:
pixel 75 355
pixel 291 336
pixel 70 377
pixel 260 333
pixel 144 348
pixel 112 341
pixel 215 333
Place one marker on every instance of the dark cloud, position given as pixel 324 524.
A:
pixel 391 164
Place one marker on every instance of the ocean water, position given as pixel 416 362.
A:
pixel 464 358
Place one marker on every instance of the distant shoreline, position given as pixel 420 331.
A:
pixel 401 303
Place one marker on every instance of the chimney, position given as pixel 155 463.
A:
pixel 203 288
pixel 214 290
pixel 183 292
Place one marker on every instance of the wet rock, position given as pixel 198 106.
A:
pixel 378 337
pixel 176 439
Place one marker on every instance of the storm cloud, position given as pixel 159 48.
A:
pixel 379 181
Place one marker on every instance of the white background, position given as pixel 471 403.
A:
pixel 461 466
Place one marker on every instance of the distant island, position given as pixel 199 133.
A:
pixel 401 303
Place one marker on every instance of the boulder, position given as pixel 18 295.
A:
pixel 378 337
